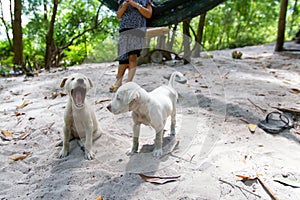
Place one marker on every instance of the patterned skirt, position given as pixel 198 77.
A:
pixel 131 41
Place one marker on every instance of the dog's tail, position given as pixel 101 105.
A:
pixel 178 77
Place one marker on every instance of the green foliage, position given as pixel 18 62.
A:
pixel 5 51
pixel 241 23
pixel 103 51
pixel 6 56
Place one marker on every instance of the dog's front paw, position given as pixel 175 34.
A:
pixel 63 153
pixel 157 152
pixel 89 155
pixel 131 151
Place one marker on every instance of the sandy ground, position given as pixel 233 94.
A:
pixel 214 145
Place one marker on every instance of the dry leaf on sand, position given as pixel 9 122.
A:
pixel 24 104
pixel 158 179
pixel 99 198
pixel 25 134
pixel 6 135
pixel 252 127
pixel 102 101
pixel 267 189
pixel 21 157
pixel 246 178
pixel 198 75
pixel 294 91
pixel 204 86
pixel 18 114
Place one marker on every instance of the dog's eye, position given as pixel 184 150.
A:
pixel 72 79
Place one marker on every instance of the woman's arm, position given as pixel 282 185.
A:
pixel 146 12
pixel 122 9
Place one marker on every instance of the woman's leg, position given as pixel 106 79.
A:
pixel 120 74
pixel 132 67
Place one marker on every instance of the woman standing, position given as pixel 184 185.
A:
pixel 133 15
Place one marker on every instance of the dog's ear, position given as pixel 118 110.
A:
pixel 91 83
pixel 63 82
pixel 134 96
pixel 133 99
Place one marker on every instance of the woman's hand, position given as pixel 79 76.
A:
pixel 145 11
pixel 133 3
pixel 125 4
pixel 122 9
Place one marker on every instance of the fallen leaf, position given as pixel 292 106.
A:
pixel 204 86
pixel 246 178
pixel 158 179
pixel 24 104
pixel 102 100
pixel 25 134
pixel 18 114
pixel 62 94
pixel 252 127
pixel 7 133
pixel 25 95
pixel 21 157
pixel 260 94
pixel 294 91
pixel 297 132
pixel 99 198
pixel 198 75
pixel 54 95
pixel 245 120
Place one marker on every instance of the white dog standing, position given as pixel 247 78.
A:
pixel 80 119
pixel 151 109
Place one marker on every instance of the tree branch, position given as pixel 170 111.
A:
pixel 97 23
pixel 5 25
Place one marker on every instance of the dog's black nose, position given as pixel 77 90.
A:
pixel 109 107
pixel 80 80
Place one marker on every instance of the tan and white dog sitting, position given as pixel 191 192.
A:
pixel 80 119
pixel 151 109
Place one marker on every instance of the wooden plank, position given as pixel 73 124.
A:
pixel 153 32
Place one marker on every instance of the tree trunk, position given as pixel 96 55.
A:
pixel 281 25
pixel 196 52
pixel 49 38
pixel 17 33
pixel 186 41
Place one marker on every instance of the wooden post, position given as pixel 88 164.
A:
pixel 281 25
pixel 186 41
pixel 197 49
